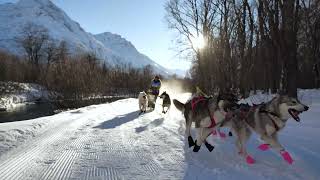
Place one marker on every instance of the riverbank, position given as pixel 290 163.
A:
pixel 14 94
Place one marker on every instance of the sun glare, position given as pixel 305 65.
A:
pixel 198 42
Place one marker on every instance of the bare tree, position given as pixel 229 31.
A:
pixel 261 44
pixel 33 38
pixel 51 52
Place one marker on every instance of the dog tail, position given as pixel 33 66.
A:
pixel 179 105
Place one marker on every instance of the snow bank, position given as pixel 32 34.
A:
pixel 306 96
pixel 14 133
pixel 13 94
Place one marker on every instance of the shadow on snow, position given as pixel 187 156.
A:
pixel 152 124
pixel 119 120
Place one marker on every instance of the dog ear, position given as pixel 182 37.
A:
pixel 277 98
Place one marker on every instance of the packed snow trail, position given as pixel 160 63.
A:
pixel 111 141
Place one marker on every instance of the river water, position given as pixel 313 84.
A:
pixel 36 110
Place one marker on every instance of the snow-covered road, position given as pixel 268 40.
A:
pixel 111 141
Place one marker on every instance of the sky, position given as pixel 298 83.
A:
pixel 140 21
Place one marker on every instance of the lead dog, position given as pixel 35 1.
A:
pixel 143 102
pixel 266 120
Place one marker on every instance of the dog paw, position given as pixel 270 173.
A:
pixel 286 156
pixel 209 146
pixel 230 133
pixel 190 141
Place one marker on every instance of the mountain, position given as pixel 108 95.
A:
pixel 125 49
pixel 109 47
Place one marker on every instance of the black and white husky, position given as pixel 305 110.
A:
pixel 266 120
pixel 166 103
pixel 207 113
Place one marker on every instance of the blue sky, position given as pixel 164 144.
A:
pixel 140 21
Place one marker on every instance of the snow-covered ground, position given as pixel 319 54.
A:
pixel 110 141
pixel 13 94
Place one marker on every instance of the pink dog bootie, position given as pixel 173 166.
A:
pixel 250 160
pixel 222 135
pixel 214 132
pixel 264 147
pixel 286 156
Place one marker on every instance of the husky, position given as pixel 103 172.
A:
pixel 166 103
pixel 208 113
pixel 266 120
pixel 143 102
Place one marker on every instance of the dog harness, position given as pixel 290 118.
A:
pixel 263 110
pixel 201 99
pixel 244 114
pixel 197 100
pixel 213 122
pixel 272 120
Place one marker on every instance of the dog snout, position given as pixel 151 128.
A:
pixel 306 108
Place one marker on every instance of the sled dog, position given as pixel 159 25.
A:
pixel 143 102
pixel 207 113
pixel 266 120
pixel 166 103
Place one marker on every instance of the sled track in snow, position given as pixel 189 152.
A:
pixel 26 159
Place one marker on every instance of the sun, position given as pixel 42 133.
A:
pixel 198 42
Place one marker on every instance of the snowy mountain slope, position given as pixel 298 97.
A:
pixel 111 141
pixel 13 17
pixel 125 49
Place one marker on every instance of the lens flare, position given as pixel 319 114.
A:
pixel 198 42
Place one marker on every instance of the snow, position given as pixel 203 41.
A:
pixel 13 17
pixel 306 96
pixel 110 141
pixel 15 94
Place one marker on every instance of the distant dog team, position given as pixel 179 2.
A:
pixel 145 100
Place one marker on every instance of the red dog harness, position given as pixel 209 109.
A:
pixel 195 101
